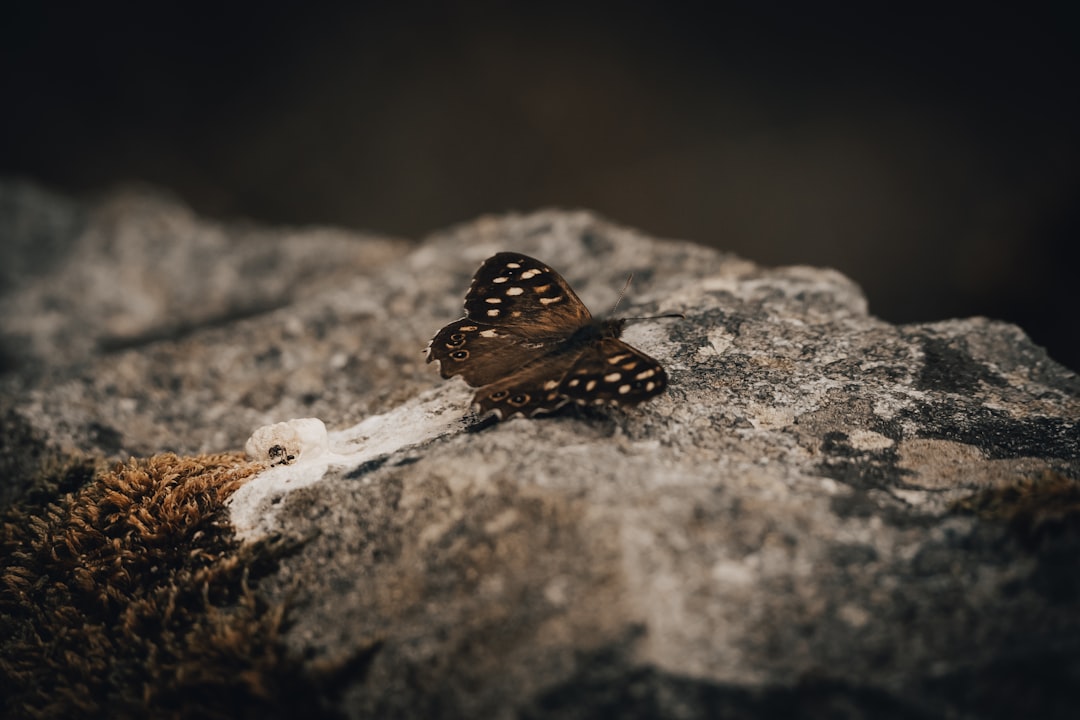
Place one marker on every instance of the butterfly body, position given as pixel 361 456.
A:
pixel 531 346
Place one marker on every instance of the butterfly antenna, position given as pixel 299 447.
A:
pixel 651 317
pixel 622 294
pixel 657 317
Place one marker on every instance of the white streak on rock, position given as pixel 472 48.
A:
pixel 253 507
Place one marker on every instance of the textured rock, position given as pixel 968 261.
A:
pixel 825 515
pixel 141 267
pixel 159 330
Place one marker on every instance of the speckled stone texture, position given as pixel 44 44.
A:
pixel 826 515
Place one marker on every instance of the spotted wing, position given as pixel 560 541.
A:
pixel 610 372
pixel 606 372
pixel 531 390
pixel 517 310
pixel 525 297
pixel 482 353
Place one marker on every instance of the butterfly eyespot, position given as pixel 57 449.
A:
pixel 519 399
pixel 499 394
pixel 460 355
pixel 456 340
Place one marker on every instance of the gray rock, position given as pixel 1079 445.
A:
pixel 139 267
pixel 133 342
pixel 825 515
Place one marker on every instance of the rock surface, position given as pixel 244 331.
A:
pixel 826 514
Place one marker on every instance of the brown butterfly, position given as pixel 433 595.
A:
pixel 531 346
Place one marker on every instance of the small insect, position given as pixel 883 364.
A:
pixel 531 346
pixel 279 455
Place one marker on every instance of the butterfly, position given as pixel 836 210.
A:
pixel 531 346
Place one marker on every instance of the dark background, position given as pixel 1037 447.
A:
pixel 930 154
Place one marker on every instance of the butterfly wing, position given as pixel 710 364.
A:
pixel 524 296
pixel 531 390
pixel 516 311
pixel 604 372
pixel 610 372
pixel 482 353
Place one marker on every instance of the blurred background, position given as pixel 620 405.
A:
pixel 931 155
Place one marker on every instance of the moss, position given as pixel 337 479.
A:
pixel 129 596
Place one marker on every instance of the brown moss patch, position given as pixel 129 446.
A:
pixel 129 597
pixel 1035 508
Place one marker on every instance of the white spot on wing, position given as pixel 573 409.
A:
pixel 623 389
pixel 494 312
pixel 493 301
pixel 488 333
pixel 613 377
pixel 500 279
pixel 590 385
pixel 514 291
pixel 548 301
